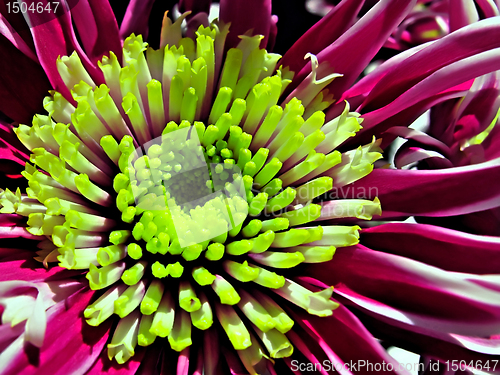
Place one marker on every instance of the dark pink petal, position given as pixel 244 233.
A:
pixel 70 345
pixel 97 28
pixel 360 90
pixel 23 84
pixel 322 34
pixel 440 346
pixel 244 16
pixel 462 13
pixel 136 18
pixel 195 6
pixel 351 53
pixel 452 75
pixel 492 144
pixel 346 336
pixel 22 266
pixel 448 249
pixel 452 191
pixel 56 37
pixel 468 41
pixel 16 232
pixel 10 33
pixel 414 293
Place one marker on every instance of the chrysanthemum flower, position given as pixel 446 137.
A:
pixel 186 195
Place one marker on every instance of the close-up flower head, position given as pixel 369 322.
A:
pixel 188 188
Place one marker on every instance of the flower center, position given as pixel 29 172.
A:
pixel 212 196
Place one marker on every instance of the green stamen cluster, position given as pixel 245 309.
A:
pixel 184 189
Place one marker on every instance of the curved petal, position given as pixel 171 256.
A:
pixel 462 13
pixel 415 293
pixel 352 52
pixel 445 192
pixel 468 41
pixel 346 336
pixel 244 16
pixel 408 155
pixel 97 28
pixel 136 18
pixel 448 249
pixel 23 83
pixel 322 34
pixel 441 346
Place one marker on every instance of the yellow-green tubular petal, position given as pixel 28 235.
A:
pixel 145 337
pixel 40 224
pixel 255 312
pixel 267 173
pixel 313 189
pixel 72 70
pixel 276 224
pixel 134 251
pixel 110 147
pixel 132 109
pixel 125 338
pixel 252 228
pixel 356 164
pixel 303 215
pixel 358 208
pixel 281 200
pixel 215 251
pixel 254 358
pixel 77 259
pixel 257 204
pixel 292 237
pixel 156 107
pixel 103 277
pixel 202 276
pixel 118 237
pixel 231 68
pixel 134 274
pixel 269 279
pixel 241 271
pixel 314 254
pixel 130 299
pixel 313 123
pixel 276 343
pixel 234 327
pixel 111 254
pixel 163 320
pixel 304 168
pixel 339 236
pixel 188 300
pixel 317 303
pixel 225 291
pixel 152 298
pixel 283 322
pixel 103 307
pixel 180 335
pixel 220 105
pixel 203 317
pixel 83 221
pixel 279 259
pixel 239 247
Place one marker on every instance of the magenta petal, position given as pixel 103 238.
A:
pixel 70 345
pixel 420 138
pixel 346 336
pixel 409 155
pixel 444 248
pixel 136 18
pixel 446 192
pixel 352 52
pixel 471 40
pixel 97 28
pixel 244 16
pixel 414 292
pixel 10 33
pixel 23 84
pixel 419 340
pixel 462 13
pixel 322 34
